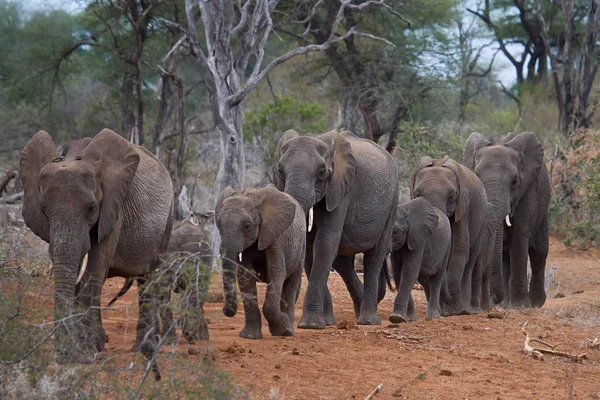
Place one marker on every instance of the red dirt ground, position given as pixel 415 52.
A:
pixel 466 357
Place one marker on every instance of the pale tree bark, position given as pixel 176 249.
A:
pixel 225 71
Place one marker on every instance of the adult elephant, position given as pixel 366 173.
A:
pixel 104 207
pixel 516 180
pixel 350 185
pixel 458 192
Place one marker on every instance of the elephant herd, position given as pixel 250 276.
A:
pixel 105 208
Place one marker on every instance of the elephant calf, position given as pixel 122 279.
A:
pixel 421 242
pixel 265 230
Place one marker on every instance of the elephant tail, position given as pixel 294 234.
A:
pixel 124 289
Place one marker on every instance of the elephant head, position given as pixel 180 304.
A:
pixel 442 182
pixel 243 219
pixel 415 223
pixel 508 167
pixel 313 168
pixel 73 201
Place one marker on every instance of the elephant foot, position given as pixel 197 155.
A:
pixel 280 331
pixel 397 318
pixel 330 320
pixel 251 333
pixel 136 347
pixel 311 321
pixel 519 303
pixel 192 335
pixel 432 314
pixel 537 297
pixel 369 319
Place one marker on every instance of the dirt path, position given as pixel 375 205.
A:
pixel 452 358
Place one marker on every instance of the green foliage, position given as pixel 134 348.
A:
pixel 265 125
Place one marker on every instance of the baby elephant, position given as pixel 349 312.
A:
pixel 421 242
pixel 263 237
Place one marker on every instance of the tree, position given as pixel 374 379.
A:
pixel 234 35
pixel 578 58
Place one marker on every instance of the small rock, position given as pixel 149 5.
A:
pixel 577 292
pixel 559 295
pixel 346 325
pixel 295 351
pixel 250 351
pixel 278 366
pixel 276 377
pixel 393 325
pixel 446 372
pixel 497 312
pixel 467 328
pixel 192 351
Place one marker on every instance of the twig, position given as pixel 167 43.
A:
pixel 374 392
pixel 538 353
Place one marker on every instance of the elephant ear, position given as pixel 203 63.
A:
pixel 462 203
pixel 287 135
pixel 425 162
pixel 118 164
pixel 225 193
pixel 532 157
pixel 76 147
pixel 38 152
pixel 344 171
pixel 277 212
pixel 475 142
pixel 422 222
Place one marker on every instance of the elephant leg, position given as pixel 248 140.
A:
pixel 279 324
pixel 253 323
pixel 459 257
pixel 325 248
pixel 411 310
pixel 411 265
pixel 148 310
pixel 518 293
pixel 193 323
pixel 426 286
pixel 383 278
pixel 166 318
pixel 344 265
pixel 506 277
pixel 485 288
pixel 433 302
pixel 327 301
pixel 538 252
pixel 476 285
pixel 289 295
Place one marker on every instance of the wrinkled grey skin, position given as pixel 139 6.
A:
pixel 109 199
pixel 516 180
pixel 421 242
pixel 352 186
pixel 268 227
pixel 185 264
pixel 458 192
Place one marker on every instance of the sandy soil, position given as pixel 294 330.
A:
pixel 466 357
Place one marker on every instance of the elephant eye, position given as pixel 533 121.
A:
pixel 91 206
pixel 247 225
pixel 322 173
pixel 281 172
pixel 58 159
pixel 515 181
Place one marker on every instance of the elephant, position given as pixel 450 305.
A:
pixel 348 190
pixel 517 183
pixel 104 206
pixel 421 242
pixel 186 260
pixel 264 229
pixel 458 192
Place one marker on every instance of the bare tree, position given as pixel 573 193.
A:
pixel 579 63
pixel 224 66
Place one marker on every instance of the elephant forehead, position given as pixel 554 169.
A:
pixel 496 157
pixel 436 173
pixel 307 143
pixel 65 172
pixel 237 207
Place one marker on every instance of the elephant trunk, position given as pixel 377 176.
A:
pixel 497 196
pixel 229 283
pixel 298 186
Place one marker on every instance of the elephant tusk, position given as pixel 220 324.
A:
pixel 310 219
pixel 507 220
pixel 83 268
pixel 240 257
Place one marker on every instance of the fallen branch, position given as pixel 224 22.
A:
pixel 374 392
pixel 593 344
pixel 538 352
